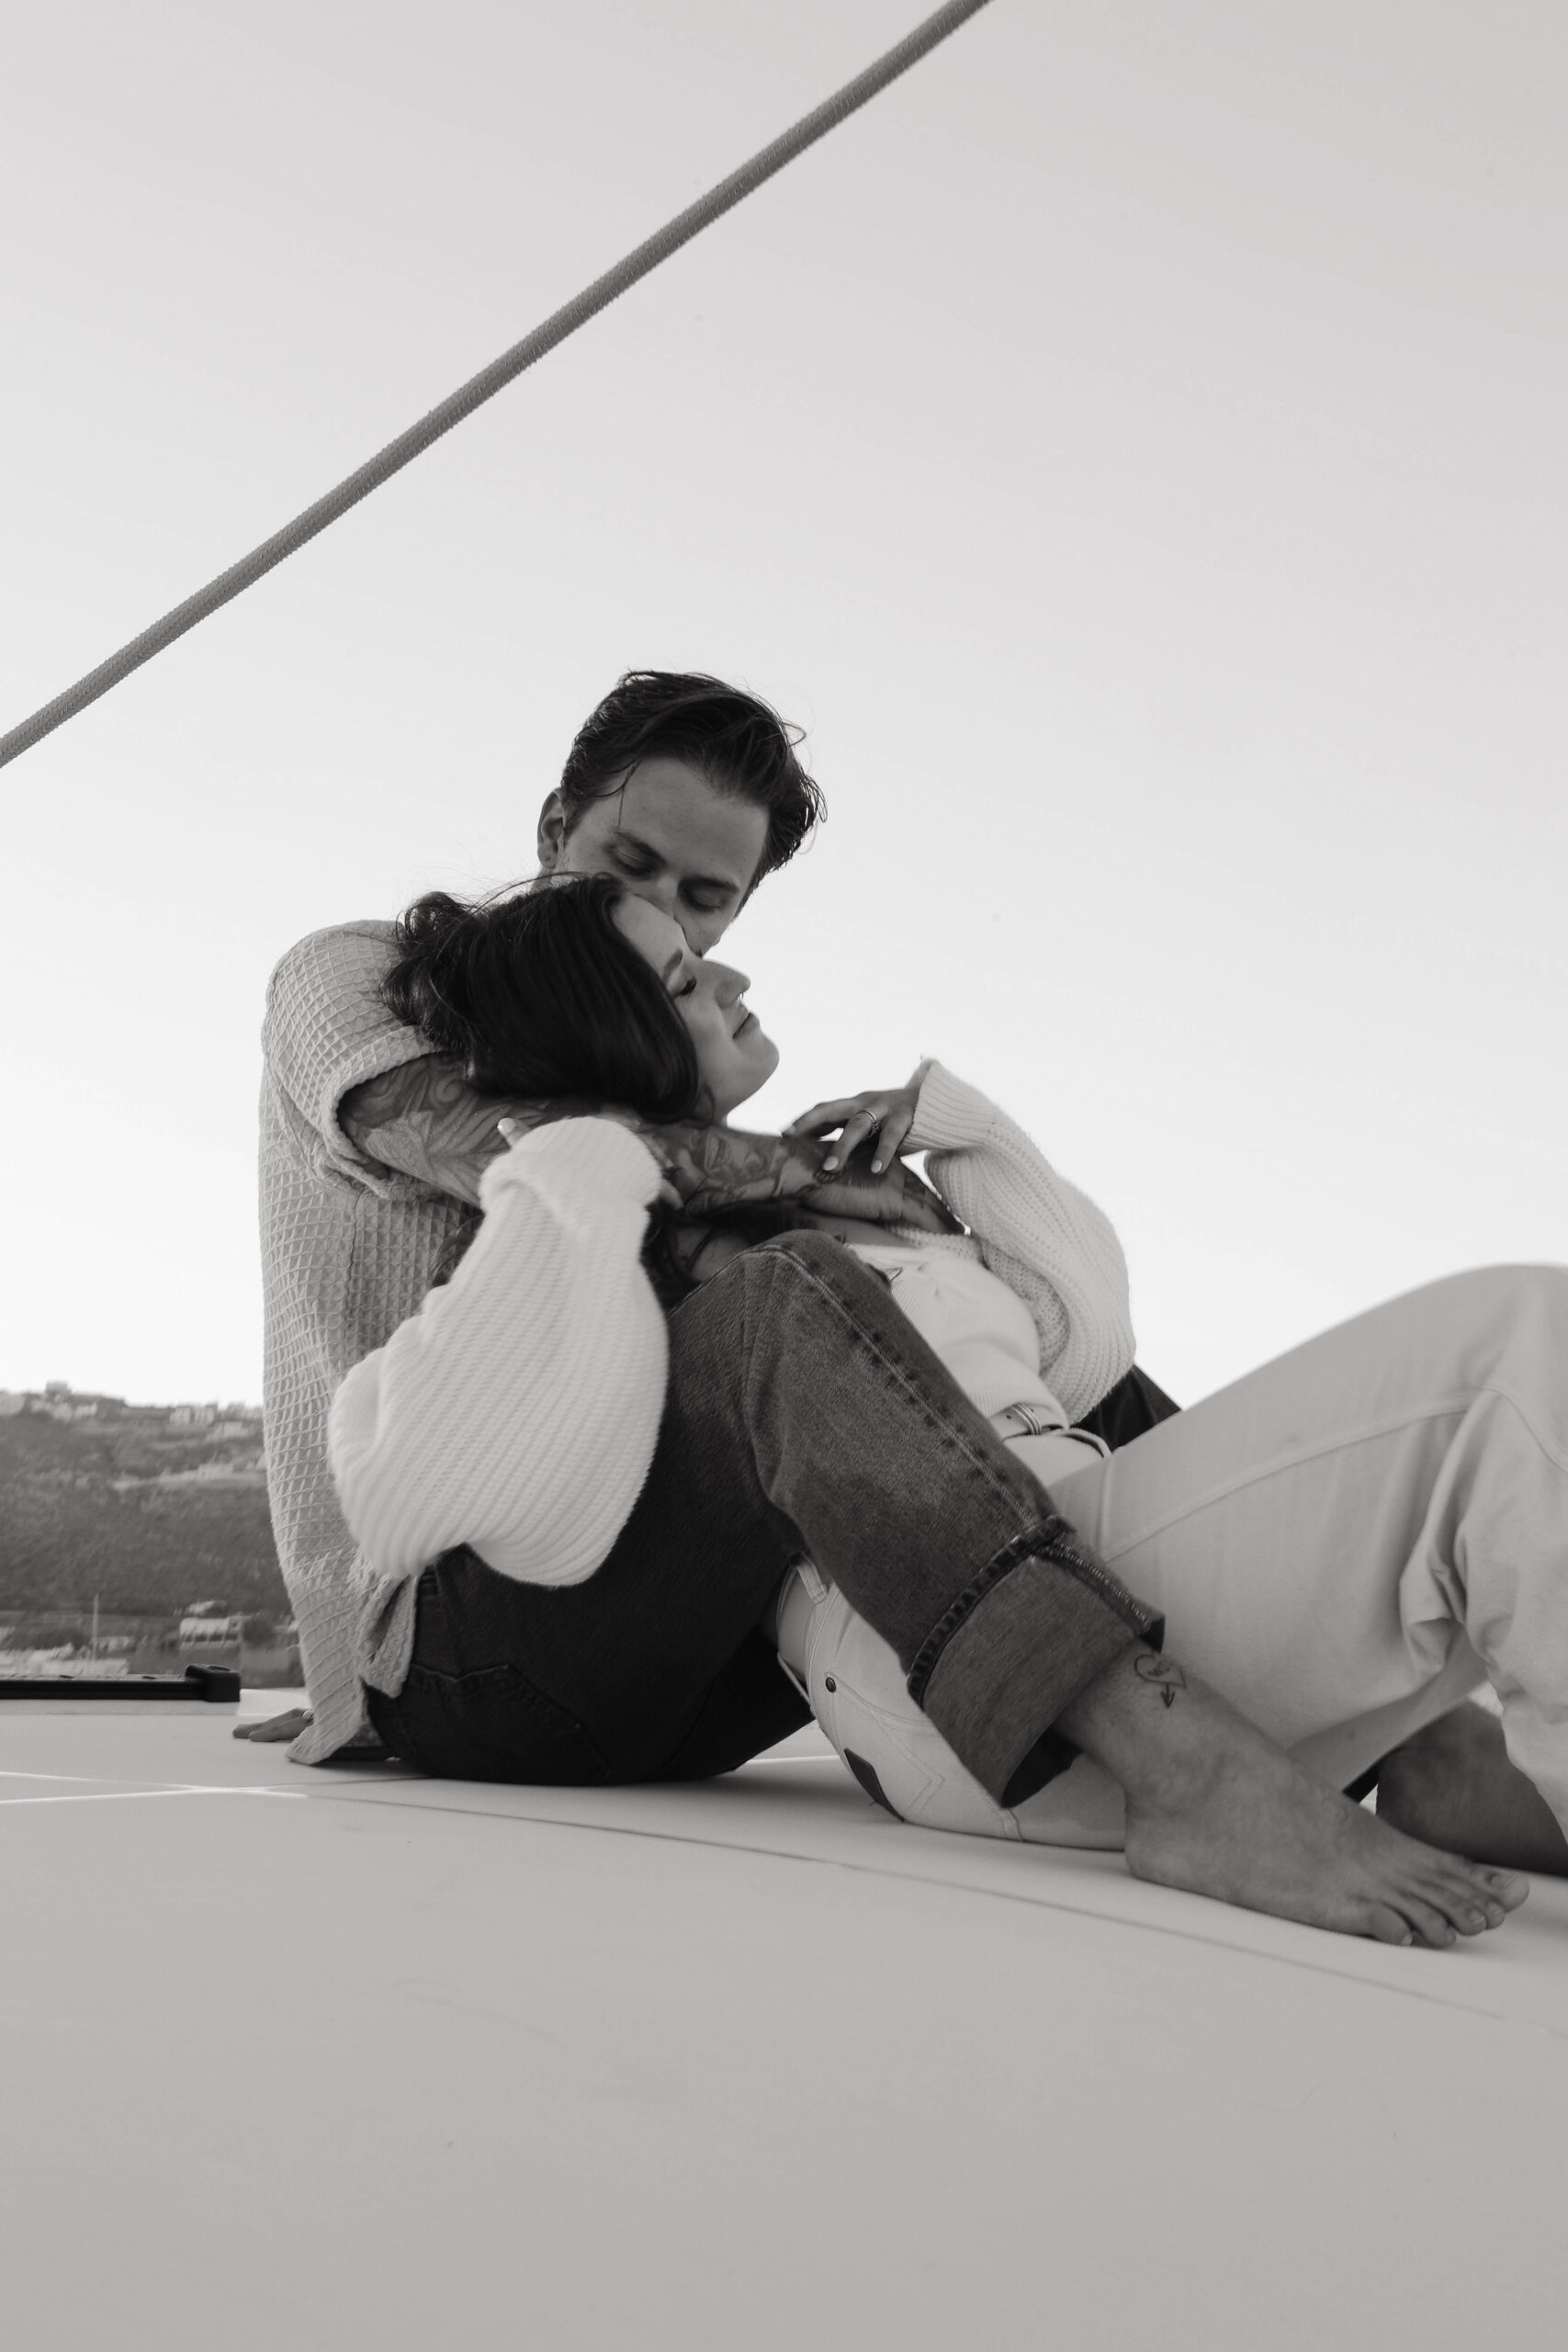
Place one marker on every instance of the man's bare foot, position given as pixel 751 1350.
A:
pixel 1215 1808
pixel 1453 1785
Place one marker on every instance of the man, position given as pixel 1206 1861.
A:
pixel 372 1150
pixel 689 793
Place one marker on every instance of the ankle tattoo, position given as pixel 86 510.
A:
pixel 1163 1672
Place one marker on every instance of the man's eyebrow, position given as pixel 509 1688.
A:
pixel 698 881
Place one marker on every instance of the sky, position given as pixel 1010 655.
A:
pixel 1131 448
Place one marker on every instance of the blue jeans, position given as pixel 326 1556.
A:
pixel 804 1414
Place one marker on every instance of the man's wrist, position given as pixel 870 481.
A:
pixel 713 1168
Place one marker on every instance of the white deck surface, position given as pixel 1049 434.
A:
pixel 353 2058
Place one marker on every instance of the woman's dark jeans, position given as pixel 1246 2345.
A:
pixel 804 1414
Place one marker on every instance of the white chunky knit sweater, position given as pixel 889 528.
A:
pixel 517 1412
pixel 349 1249
pixel 1039 1234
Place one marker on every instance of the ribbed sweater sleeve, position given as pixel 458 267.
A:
pixel 517 1411
pixel 1039 1234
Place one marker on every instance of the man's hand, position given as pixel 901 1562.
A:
pixel 275 1727
pixel 715 1168
pixel 886 1115
pixel 897 1196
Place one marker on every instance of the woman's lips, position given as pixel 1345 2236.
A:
pixel 746 1021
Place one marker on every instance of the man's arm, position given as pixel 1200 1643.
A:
pixel 424 1120
pixel 713 1168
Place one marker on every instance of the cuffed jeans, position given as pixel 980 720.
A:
pixel 803 1414
pixel 1345 1542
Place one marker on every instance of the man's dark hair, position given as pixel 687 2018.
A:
pixel 539 996
pixel 736 742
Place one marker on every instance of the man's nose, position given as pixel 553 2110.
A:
pixel 664 891
pixel 660 891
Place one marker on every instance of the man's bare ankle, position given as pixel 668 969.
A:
pixel 1162 1735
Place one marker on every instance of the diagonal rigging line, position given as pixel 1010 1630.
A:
pixel 489 381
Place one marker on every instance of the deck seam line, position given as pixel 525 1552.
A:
pixel 957 1886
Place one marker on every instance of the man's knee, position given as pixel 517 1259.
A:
pixel 809 1259
pixel 811 1250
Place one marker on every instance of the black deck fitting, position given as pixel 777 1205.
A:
pixel 214 1685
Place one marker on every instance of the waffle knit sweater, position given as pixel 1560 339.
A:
pixel 349 1249
pixel 518 1411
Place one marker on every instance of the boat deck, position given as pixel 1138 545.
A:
pixel 299 2059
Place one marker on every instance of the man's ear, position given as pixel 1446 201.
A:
pixel 552 830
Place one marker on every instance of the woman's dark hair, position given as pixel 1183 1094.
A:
pixel 736 741
pixel 539 996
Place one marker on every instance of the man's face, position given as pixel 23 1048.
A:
pixel 670 838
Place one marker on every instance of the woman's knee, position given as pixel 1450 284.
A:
pixel 1530 1293
pixel 1505 1309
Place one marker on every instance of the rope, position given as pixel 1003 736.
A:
pixel 489 381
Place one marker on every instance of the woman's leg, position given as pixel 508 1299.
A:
pixel 1346 1540
pixel 1451 1783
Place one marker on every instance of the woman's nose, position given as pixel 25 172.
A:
pixel 728 982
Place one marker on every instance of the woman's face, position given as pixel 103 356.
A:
pixel 734 1054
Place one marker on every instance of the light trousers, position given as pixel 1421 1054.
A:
pixel 1342 1543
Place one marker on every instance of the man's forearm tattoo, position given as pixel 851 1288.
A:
pixel 718 1167
pixel 713 1168
pixel 1163 1672
pixel 424 1120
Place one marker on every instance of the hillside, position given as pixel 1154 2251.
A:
pixel 146 1514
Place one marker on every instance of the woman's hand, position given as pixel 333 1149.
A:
pixel 888 1115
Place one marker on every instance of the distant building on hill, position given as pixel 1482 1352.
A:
pixel 61 1402
pixel 207 1632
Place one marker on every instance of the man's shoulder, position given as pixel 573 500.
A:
pixel 351 950
pixel 326 1028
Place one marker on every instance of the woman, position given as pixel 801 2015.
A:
pixel 1344 1544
